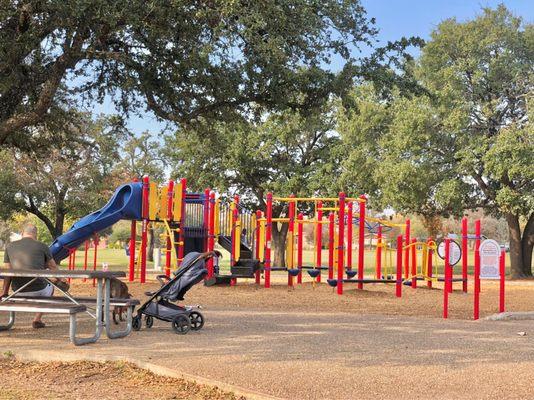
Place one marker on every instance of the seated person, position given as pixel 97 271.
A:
pixel 29 253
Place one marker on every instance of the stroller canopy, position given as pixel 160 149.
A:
pixel 191 272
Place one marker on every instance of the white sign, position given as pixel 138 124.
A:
pixel 455 252
pixel 490 251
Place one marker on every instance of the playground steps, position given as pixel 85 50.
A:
pixel 226 243
pixel 244 268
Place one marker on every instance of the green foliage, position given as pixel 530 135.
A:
pixel 184 60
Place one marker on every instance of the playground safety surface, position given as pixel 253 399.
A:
pixel 312 344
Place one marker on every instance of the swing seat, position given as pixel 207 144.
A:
pixel 351 273
pixel 293 272
pixel 407 282
pixel 332 282
pixel 314 273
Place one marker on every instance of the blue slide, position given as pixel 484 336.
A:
pixel 125 204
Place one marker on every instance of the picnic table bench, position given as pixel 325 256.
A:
pixel 17 302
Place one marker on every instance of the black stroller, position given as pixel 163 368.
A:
pixel 160 305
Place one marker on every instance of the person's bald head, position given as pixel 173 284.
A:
pixel 29 230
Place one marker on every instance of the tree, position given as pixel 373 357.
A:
pixel 61 181
pixel 468 143
pixel 184 60
pixel 287 153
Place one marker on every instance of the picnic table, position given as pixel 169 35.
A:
pixel 67 304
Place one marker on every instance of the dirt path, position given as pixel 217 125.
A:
pixel 312 344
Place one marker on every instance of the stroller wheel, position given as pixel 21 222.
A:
pixel 136 323
pixel 181 324
pixel 149 321
pixel 197 320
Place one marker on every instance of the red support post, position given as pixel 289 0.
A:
pixel 86 249
pixel 206 218
pixel 464 253
pixel 319 238
pixel 211 232
pixel 502 274
pixel 476 305
pixel 235 218
pixel 133 239
pixel 257 244
pixel 169 242
pixel 413 249
pixel 407 252
pixel 144 228
pixel 95 254
pixel 341 243
pixel 398 284
pixel 300 242
pixel 331 245
pixel 379 253
pixel 181 223
pixel 430 254
pixel 349 235
pixel 291 236
pixel 447 278
pixel 361 241
pixel 268 238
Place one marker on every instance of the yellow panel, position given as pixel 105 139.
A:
pixel 289 250
pixel 163 202
pixel 237 240
pixel 153 201
pixel 217 218
pixel 177 203
pixel 261 243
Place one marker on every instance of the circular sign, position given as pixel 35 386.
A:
pixel 455 252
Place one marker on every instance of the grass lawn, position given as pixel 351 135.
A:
pixel 118 260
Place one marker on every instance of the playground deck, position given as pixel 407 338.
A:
pixel 320 345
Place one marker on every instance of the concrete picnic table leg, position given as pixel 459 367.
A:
pixel 107 308
pixel 98 320
pixel 9 323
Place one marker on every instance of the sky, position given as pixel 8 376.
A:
pixel 395 19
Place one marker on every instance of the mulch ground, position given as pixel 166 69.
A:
pixel 83 380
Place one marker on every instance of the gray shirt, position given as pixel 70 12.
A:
pixel 27 253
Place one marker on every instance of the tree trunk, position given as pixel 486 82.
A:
pixel 59 225
pixel 516 253
pixel 279 244
pixel 527 244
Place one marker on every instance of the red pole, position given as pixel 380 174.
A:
pixel 340 243
pixel 361 241
pixel 291 237
pixel 257 245
pixel 349 235
pixel 86 249
pixel 144 228
pixel 464 253
pixel 211 232
pixel 300 240
pixel 407 252
pixel 430 253
pixel 502 273
pixel 181 223
pixel 398 291
pixel 95 243
pixel 331 245
pixel 268 237
pixel 447 277
pixel 206 217
pixel 319 238
pixel 235 218
pixel 476 306
pixel 379 253
pixel 414 263
pixel 168 245
pixel 133 239
pixel 70 262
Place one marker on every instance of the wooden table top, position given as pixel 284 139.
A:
pixel 46 273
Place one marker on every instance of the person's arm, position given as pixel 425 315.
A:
pixel 51 265
pixel 7 281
